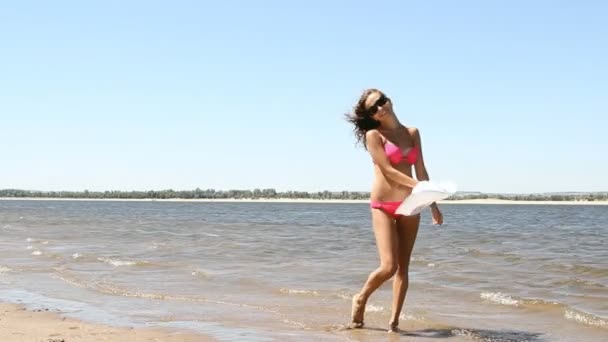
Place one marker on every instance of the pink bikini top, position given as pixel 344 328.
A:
pixel 396 156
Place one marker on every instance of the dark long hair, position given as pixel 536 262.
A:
pixel 361 118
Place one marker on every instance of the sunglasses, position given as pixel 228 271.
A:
pixel 382 100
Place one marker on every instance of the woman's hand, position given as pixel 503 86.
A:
pixel 437 215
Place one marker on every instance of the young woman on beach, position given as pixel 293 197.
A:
pixel 394 149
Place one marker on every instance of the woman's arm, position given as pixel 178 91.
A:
pixel 420 167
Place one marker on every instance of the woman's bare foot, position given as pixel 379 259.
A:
pixel 393 327
pixel 358 311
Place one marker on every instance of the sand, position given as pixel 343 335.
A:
pixel 20 324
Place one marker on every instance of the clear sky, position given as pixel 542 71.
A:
pixel 509 96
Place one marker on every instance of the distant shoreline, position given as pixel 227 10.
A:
pixel 297 200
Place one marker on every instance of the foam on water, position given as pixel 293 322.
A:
pixel 570 313
pixel 411 317
pixel 499 298
pixel 510 300
pixel 200 274
pixel 344 296
pixel 373 308
pixel 211 234
pixel 300 292
pixel 118 262
pixel 585 318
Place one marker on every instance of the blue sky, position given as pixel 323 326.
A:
pixel 510 96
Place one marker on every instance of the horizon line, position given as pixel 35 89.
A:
pixel 303 191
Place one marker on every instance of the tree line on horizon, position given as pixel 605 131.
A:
pixel 273 194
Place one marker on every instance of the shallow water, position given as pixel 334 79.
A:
pixel 287 271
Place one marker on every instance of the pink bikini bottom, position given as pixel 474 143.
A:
pixel 387 207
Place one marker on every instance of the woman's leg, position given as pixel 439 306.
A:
pixel 407 229
pixel 386 241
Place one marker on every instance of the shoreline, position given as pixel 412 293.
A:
pixel 22 324
pixel 493 201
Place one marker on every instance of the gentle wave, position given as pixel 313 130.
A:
pixel 420 261
pixel 300 292
pixel 118 263
pixel 4 269
pixel 499 298
pixel 200 274
pixel 83 258
pixel 38 252
pixel 585 318
pixel 107 288
pixel 210 234
pixel 479 253
pixel 295 324
pixel 588 270
pixel 111 289
pixel 373 308
pixel 504 299
pixel 343 295
pixel 80 257
pixel 578 282
pixel 569 312
pixel 411 317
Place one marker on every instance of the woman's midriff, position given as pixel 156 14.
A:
pixel 386 190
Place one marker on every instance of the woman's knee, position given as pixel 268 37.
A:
pixel 388 268
pixel 402 270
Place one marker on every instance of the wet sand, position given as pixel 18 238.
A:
pixel 20 324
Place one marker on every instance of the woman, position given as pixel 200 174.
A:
pixel 394 149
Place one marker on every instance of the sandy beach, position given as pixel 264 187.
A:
pixel 20 324
pixel 302 200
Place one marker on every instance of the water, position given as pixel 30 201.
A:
pixel 287 271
